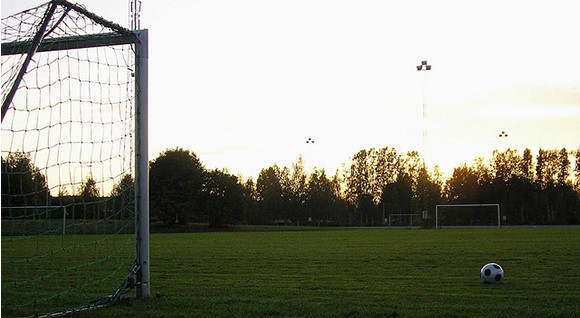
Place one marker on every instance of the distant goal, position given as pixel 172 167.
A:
pixel 468 215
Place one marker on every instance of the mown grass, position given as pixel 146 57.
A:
pixel 360 273
pixel 47 274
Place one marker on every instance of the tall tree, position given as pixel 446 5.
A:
pixel 506 165
pixel 397 196
pixel 428 193
pixel 358 176
pixel 298 191
pixel 563 167
pixel 251 215
pixel 22 182
pixel 176 182
pixel 223 198
pixel 527 165
pixel 269 193
pixel 411 167
pixel 88 190
pixel 547 167
pixel 319 198
pixel 462 186
pixel 123 197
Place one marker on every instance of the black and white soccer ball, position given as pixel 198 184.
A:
pixel 492 273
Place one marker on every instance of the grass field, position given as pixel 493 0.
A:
pixel 360 273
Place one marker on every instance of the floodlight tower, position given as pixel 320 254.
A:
pixel 424 67
pixel 503 135
pixel 135 14
pixel 309 155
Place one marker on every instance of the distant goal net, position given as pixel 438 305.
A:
pixel 467 215
pixel 74 161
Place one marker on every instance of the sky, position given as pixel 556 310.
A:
pixel 244 84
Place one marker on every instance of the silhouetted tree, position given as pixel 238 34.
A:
pixel 428 193
pixel 563 167
pixel 176 181
pixel 223 198
pixel 397 196
pixel 123 197
pixel 88 190
pixel 251 215
pixel 527 165
pixel 547 167
pixel 22 182
pixel 462 186
pixel 320 200
pixel 86 205
pixel 358 176
pixel 269 194
pixel 297 192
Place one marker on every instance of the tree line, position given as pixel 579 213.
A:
pixel 373 184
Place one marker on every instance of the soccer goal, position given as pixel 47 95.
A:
pixel 453 215
pixel 75 204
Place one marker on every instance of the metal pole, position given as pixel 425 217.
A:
pixel 142 165
pixel 498 217
pixel 436 217
pixel 33 47
pixel 424 67
pixel 64 221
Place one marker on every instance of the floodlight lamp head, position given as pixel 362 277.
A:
pixel 419 67
pixel 423 62
pixel 428 67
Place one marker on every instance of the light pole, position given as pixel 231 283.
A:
pixel 503 135
pixel 309 154
pixel 423 67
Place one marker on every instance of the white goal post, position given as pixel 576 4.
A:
pixel 437 207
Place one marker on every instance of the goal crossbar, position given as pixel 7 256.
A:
pixel 70 43
pixel 467 205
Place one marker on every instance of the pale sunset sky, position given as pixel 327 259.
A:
pixel 244 83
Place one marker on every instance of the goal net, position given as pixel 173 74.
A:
pixel 74 161
pixel 467 215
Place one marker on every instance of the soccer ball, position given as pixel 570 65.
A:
pixel 491 273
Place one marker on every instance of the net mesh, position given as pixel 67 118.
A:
pixel 67 160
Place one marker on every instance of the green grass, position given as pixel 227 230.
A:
pixel 50 273
pixel 360 273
